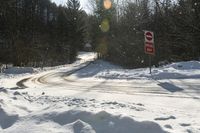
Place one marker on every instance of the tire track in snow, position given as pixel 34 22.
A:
pixel 42 79
pixel 102 87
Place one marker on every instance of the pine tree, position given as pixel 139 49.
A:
pixel 76 27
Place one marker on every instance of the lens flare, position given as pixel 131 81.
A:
pixel 102 47
pixel 107 4
pixel 105 26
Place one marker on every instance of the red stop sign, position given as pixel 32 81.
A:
pixel 149 43
pixel 149 36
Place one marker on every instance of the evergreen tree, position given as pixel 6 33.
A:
pixel 76 27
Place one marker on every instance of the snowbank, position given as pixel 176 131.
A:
pixel 19 70
pixel 82 57
pixel 185 65
pixel 58 118
pixel 79 121
pixel 180 70
pixel 6 120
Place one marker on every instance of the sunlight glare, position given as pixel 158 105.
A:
pixel 105 26
pixel 107 4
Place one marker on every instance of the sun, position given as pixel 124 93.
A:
pixel 107 4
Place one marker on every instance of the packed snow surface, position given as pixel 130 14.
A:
pixel 98 97
pixel 180 70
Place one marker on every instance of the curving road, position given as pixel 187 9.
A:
pixel 162 100
pixel 172 103
pixel 67 80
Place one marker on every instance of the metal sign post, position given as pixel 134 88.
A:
pixel 149 47
pixel 150 64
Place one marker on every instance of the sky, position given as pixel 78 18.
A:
pixel 84 4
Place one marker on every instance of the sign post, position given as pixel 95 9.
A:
pixel 149 47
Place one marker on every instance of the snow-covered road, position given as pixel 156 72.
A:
pixel 171 102
pixel 181 88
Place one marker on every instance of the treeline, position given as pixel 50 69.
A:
pixel 117 31
pixel 38 32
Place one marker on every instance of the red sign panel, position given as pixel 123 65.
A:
pixel 149 43
pixel 149 36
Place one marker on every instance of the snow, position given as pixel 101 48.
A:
pixel 65 120
pixel 100 97
pixel 105 70
pixel 19 70
pixel 87 45
pixel 76 121
pixel 186 65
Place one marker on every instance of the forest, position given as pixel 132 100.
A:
pixel 39 32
